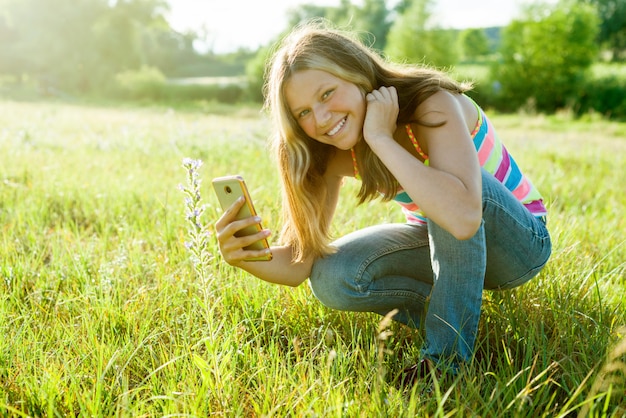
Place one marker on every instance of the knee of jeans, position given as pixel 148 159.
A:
pixel 334 286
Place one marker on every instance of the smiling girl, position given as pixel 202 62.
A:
pixel 474 221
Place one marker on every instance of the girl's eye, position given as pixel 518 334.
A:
pixel 325 96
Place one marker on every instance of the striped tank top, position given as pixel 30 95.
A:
pixel 493 157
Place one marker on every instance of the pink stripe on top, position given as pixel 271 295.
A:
pixel 522 190
pixel 486 149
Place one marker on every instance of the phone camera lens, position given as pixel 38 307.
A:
pixel 228 189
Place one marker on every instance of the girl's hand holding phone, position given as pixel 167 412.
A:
pixel 233 248
pixel 239 232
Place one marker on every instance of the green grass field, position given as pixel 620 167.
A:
pixel 103 312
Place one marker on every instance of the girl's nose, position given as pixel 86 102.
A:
pixel 322 116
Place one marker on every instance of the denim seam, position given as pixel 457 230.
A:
pixel 369 260
pixel 532 272
pixel 402 293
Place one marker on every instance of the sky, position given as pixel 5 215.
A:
pixel 232 24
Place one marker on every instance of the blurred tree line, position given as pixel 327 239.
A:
pixel 95 46
pixel 126 48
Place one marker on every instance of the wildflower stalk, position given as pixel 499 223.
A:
pixel 197 232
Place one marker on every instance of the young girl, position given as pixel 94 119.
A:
pixel 411 135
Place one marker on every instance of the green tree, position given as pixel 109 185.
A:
pixel 612 15
pixel 171 52
pixel 414 37
pixel 373 18
pixel 125 34
pixel 306 12
pixel 51 41
pixel 474 43
pixel 78 46
pixel 255 73
pixel 546 54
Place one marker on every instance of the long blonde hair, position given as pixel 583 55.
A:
pixel 302 161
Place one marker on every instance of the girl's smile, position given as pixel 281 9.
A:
pixel 337 128
pixel 328 108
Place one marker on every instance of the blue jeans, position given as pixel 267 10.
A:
pixel 431 276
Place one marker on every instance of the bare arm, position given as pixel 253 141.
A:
pixel 449 189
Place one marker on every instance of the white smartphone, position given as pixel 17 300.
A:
pixel 228 189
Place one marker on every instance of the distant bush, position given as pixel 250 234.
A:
pixel 602 90
pixel 145 83
pixel 223 93
pixel 605 94
pixel 149 84
pixel 255 71
pixel 230 93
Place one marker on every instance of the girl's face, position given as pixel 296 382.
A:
pixel 328 108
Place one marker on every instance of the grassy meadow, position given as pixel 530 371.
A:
pixel 104 313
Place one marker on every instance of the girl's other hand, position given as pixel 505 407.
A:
pixel 232 247
pixel 382 114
